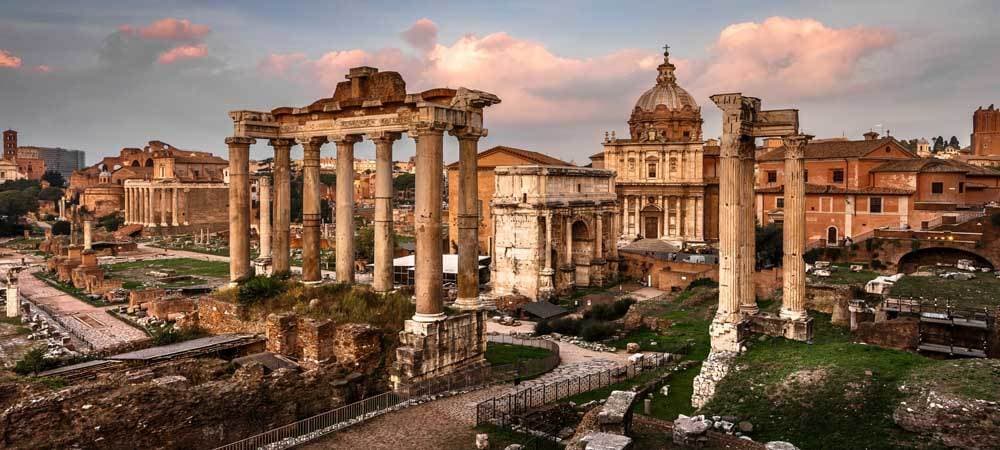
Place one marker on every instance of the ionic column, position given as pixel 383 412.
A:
pixel 125 204
pixel 427 225
pixel 793 298
pixel 282 205
pixel 382 279
pixel 87 225
pixel 468 219
pixel 311 213
pixel 678 219
pixel 173 208
pixel 345 207
pixel 667 230
pixel 239 208
pixel 747 215
pixel 164 206
pixel 699 218
pixel 638 217
pixel 187 206
pixel 625 215
pixel 691 218
pixel 264 224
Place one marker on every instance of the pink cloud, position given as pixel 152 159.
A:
pixel 280 64
pixel 42 68
pixel 183 52
pixel 8 60
pixel 169 29
pixel 788 58
pixel 422 35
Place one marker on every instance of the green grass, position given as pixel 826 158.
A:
pixel 980 292
pixel 502 437
pixel 500 354
pixel 180 266
pixel 851 408
pixel 678 399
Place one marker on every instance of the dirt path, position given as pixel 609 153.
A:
pixel 568 353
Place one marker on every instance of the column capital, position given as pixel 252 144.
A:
pixel 384 137
pixel 427 129
pixel 281 142
pixel 240 140
pixel 313 141
pixel 469 133
pixel 344 139
pixel 263 181
pixel 795 145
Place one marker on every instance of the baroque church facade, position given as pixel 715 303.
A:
pixel 666 177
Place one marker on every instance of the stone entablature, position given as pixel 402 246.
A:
pixel 555 228
pixel 172 203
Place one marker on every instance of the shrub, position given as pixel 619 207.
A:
pixel 170 334
pixel 596 330
pixel 111 222
pixel 260 288
pixel 609 311
pixel 877 265
pixel 707 282
pixel 35 361
pixel 61 228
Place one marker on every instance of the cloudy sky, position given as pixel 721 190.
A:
pixel 103 75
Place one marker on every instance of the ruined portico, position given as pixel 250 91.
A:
pixel 373 105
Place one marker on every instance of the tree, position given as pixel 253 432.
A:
pixel 365 247
pixel 954 142
pixel 296 207
pixel 61 227
pixel 54 178
pixel 329 179
pixel 770 243
pixel 404 181
pixel 938 144
pixel 15 204
pixel 19 185
pixel 50 193
pixel 111 222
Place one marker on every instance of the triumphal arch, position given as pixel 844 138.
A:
pixel 376 106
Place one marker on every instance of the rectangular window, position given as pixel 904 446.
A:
pixel 838 175
pixel 961 187
pixel 651 170
pixel 875 205
pixel 937 188
pixel 779 202
pixel 826 204
pixel 805 175
pixel 772 176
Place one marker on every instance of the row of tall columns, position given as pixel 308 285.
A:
pixel 384 240
pixel 681 216
pixel 427 216
pixel 732 231
pixel 794 230
pixel 151 206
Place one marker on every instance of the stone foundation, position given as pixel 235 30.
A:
pixel 713 370
pixel 728 337
pixel 432 349
pixel 796 330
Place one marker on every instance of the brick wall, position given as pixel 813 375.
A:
pixel 220 317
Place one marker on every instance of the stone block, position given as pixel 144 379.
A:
pixel 632 347
pixel 316 340
pixel 606 441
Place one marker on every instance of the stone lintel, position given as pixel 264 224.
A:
pixel 771 325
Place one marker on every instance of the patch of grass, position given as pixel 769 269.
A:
pixel 180 266
pixel 843 275
pixel 501 437
pixel 501 354
pixel 678 399
pixel 170 335
pixel 980 378
pixel 789 390
pixel 980 292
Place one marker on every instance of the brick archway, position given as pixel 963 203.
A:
pixel 909 261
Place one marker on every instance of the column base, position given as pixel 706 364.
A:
pixel 426 318
pixel 793 314
pixel 311 283
pixel 749 310
pixel 728 336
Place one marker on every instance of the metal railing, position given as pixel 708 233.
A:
pixel 327 422
pixel 499 410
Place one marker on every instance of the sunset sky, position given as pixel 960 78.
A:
pixel 99 76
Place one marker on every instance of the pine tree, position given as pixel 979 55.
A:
pixel 954 142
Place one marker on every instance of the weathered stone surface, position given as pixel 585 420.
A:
pixel 780 445
pixel 713 370
pixel 616 413
pixel 690 431
pixel 606 441
pixel 954 421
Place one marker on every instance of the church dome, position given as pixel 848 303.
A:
pixel 666 92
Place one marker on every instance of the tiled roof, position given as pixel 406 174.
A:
pixel 824 189
pixel 833 149
pixel 929 165
pixel 533 157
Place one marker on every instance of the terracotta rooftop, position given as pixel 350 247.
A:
pixel 832 149
pixel 823 189
pixel 931 165
pixel 532 157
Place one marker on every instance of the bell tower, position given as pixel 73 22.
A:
pixel 9 145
